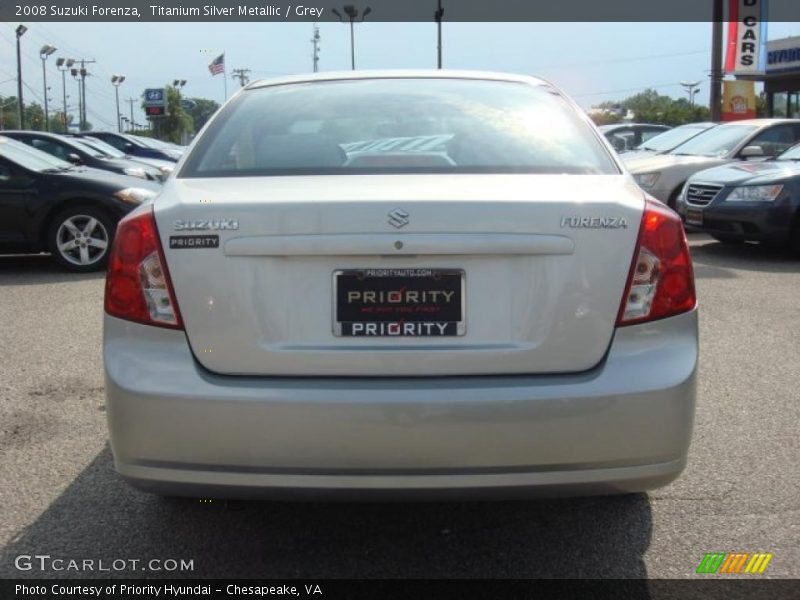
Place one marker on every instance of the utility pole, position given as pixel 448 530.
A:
pixel 315 42
pixel 131 101
pixel 438 16
pixel 74 73
pixel 241 75
pixel 21 29
pixel 715 95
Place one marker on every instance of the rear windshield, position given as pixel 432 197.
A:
pixel 398 126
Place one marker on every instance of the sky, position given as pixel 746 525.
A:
pixel 592 62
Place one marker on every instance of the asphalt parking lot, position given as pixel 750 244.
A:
pixel 741 490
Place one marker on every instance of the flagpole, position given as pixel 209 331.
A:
pixel 225 75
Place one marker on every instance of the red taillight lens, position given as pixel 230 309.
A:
pixel 661 281
pixel 138 287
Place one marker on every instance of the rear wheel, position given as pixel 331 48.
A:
pixel 725 239
pixel 79 238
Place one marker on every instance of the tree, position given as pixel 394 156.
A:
pixel 651 107
pixel 177 124
pixel 201 109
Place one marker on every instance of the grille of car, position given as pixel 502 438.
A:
pixel 700 195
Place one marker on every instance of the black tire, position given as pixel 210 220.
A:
pixel 727 239
pixel 75 248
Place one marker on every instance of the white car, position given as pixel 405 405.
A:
pixel 504 313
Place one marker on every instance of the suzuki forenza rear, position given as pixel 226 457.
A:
pixel 435 283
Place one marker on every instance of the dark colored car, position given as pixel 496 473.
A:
pixel 627 136
pixel 747 201
pixel 49 205
pixel 74 151
pixel 136 146
pixel 165 167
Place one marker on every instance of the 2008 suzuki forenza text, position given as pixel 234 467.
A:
pixel 403 283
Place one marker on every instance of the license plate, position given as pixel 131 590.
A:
pixel 694 216
pixel 398 303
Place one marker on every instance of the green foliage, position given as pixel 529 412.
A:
pixel 651 107
pixel 34 116
pixel 201 111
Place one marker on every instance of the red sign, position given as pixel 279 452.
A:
pixel 155 111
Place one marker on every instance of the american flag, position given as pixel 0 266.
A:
pixel 217 65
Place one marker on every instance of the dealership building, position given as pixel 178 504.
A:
pixel 781 78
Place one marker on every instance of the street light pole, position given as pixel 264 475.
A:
pixel 21 29
pixel 352 16
pixel 116 81
pixel 46 51
pixel 63 65
pixel 691 89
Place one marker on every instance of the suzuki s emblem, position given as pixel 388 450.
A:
pixel 398 218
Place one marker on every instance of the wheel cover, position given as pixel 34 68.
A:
pixel 82 240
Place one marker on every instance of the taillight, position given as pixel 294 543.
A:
pixel 138 287
pixel 661 281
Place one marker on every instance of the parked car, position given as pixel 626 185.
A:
pixel 326 322
pixel 134 145
pixel 669 140
pixel 165 167
pixel 627 136
pixel 663 176
pixel 49 205
pixel 747 201
pixel 74 151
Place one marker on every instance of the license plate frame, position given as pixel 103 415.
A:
pixel 400 318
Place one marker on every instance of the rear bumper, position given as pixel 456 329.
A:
pixel 623 426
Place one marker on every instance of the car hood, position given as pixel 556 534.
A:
pixel 113 181
pixel 637 154
pixel 152 162
pixel 662 162
pixel 124 163
pixel 751 173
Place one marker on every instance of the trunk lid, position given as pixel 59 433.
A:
pixel 545 261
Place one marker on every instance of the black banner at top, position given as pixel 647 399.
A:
pixel 379 10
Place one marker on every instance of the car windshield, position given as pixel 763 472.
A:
pixel 88 148
pixel 664 142
pixel 150 143
pixel 102 147
pixel 401 125
pixel 717 141
pixel 30 158
pixel 792 153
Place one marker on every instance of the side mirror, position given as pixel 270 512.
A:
pixel 128 148
pixel 74 159
pixel 751 152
